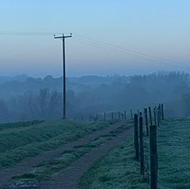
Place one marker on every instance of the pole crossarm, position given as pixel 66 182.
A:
pixel 63 36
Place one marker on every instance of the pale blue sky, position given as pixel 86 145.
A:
pixel 157 28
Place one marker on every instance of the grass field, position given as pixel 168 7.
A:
pixel 119 169
pixel 26 139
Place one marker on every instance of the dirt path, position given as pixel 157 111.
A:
pixel 29 163
pixel 68 179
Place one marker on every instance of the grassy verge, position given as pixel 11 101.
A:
pixel 116 170
pixel 119 169
pixel 19 143
pixel 174 154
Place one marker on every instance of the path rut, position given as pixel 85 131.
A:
pixel 28 164
pixel 68 178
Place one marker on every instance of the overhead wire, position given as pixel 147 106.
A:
pixel 117 51
pixel 29 33
pixel 98 46
pixel 102 45
pixel 171 63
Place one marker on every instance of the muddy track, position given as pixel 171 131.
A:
pixel 68 178
pixel 28 164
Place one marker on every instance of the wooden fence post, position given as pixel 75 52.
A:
pixel 155 116
pixel 125 115
pixel 131 114
pixel 136 140
pixel 138 113
pixel 119 115
pixel 162 109
pixel 158 116
pixel 153 157
pixel 146 121
pixel 150 115
pixel 141 144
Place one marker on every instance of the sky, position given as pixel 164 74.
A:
pixel 123 37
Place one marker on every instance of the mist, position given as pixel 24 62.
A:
pixel 25 98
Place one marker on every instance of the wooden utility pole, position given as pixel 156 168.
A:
pixel 63 37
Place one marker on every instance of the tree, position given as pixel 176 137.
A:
pixel 43 100
pixel 55 105
pixel 4 115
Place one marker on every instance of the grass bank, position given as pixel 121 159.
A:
pixel 119 170
pixel 17 143
pixel 48 168
pixel 174 154
pixel 116 170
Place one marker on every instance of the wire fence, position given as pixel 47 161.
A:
pixel 145 142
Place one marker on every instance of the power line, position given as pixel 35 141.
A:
pixel 102 45
pixel 29 33
pixel 98 46
pixel 171 63
pixel 121 50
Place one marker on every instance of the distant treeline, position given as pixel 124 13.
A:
pixel 26 98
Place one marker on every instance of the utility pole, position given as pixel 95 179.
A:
pixel 63 37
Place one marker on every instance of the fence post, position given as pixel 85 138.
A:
pixel 150 115
pixel 119 115
pixel 146 121
pixel 141 144
pixel 125 115
pixel 138 113
pixel 155 122
pixel 158 116
pixel 162 109
pixel 153 157
pixel 136 140
pixel 131 114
